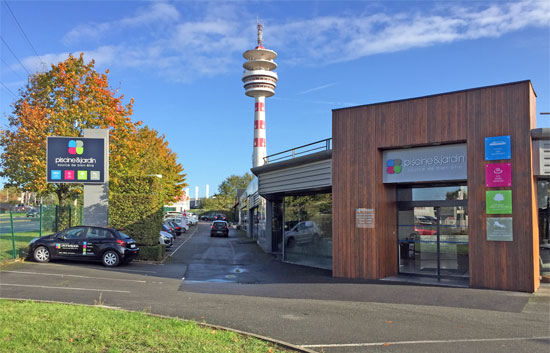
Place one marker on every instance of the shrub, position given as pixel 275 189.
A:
pixel 152 253
pixel 135 205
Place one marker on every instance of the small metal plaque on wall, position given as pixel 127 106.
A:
pixel 364 218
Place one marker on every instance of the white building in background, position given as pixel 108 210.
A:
pixel 181 204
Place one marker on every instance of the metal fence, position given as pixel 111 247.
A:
pixel 18 228
pixel 318 146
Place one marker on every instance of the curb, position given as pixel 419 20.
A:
pixel 282 344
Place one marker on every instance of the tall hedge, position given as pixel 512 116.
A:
pixel 135 205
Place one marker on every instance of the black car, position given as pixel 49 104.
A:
pixel 220 217
pixel 219 228
pixel 108 245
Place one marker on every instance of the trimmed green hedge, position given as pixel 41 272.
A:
pixel 135 205
pixel 152 253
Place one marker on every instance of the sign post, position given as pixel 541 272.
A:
pixel 96 195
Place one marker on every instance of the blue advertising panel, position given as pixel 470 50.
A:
pixel 75 160
pixel 497 148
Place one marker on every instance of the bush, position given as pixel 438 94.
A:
pixel 135 205
pixel 152 253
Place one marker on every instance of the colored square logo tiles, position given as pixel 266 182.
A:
pixel 95 175
pixel 55 175
pixel 76 147
pixel 393 166
pixel 69 175
pixel 82 175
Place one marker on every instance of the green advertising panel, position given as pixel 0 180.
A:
pixel 498 201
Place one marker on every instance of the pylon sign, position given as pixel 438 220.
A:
pixel 75 160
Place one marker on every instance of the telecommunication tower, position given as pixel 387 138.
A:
pixel 259 82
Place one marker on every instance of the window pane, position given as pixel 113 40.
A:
pixel 307 236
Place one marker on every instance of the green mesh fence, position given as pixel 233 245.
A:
pixel 18 228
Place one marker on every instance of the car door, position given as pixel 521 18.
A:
pixel 71 242
pixel 96 240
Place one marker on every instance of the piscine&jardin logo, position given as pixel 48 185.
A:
pixel 76 147
pixel 393 166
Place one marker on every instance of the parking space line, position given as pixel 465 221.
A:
pixel 69 288
pixel 76 276
pixel 87 267
pixel 423 342
pixel 127 271
pixel 185 241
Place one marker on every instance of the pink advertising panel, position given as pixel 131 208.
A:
pixel 498 174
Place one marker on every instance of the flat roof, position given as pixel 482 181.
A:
pixel 440 94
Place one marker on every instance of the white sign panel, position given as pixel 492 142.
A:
pixel 433 163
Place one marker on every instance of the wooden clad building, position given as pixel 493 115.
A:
pixel 361 137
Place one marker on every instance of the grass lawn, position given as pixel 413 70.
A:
pixel 21 240
pixel 45 327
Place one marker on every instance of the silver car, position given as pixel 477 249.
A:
pixel 305 232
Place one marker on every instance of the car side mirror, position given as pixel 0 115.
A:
pixel 60 236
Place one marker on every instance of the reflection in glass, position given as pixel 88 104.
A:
pixel 307 235
pixel 458 192
pixel 433 240
pixel 543 200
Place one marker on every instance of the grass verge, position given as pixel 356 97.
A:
pixel 22 240
pixel 27 326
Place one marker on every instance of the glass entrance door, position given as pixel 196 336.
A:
pixel 433 241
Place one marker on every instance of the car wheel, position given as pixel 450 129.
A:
pixel 41 254
pixel 110 258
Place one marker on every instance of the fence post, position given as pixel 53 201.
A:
pixel 81 214
pixel 56 219
pixel 40 231
pixel 70 215
pixel 12 235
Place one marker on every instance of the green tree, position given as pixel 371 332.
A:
pixel 227 193
pixel 63 101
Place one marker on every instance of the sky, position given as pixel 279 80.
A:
pixel 182 62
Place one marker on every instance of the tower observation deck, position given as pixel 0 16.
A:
pixel 259 82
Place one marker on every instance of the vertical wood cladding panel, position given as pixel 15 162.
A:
pixel 361 134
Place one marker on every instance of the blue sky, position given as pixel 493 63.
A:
pixel 182 62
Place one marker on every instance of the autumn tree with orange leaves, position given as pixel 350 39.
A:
pixel 63 101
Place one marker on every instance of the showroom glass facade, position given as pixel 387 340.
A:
pixel 307 230
pixel 543 201
pixel 433 231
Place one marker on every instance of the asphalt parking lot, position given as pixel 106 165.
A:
pixel 232 283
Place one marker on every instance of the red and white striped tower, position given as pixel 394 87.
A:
pixel 259 82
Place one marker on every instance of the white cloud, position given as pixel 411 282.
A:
pixel 212 43
pixel 158 12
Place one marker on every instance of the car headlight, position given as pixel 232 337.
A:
pixel 33 240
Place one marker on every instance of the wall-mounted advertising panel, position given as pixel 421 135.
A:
pixel 75 160
pixel 498 201
pixel 433 163
pixel 498 147
pixel 498 175
pixel 500 229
